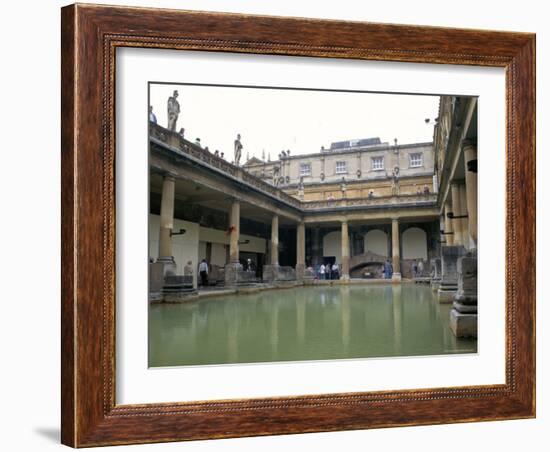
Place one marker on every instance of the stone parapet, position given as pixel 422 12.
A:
pixel 273 273
pixel 235 275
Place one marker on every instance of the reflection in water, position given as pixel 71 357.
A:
pixel 306 323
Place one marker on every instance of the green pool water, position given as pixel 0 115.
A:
pixel 306 323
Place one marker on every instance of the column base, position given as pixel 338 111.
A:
pixel 300 271
pixel 344 278
pixel 177 287
pixel 396 277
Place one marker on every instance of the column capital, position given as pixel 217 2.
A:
pixel 169 177
pixel 468 144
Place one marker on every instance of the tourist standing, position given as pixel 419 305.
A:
pixel 420 267
pixel 335 271
pixel 414 269
pixel 388 269
pixel 322 271
pixel 203 272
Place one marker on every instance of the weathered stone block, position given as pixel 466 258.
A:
pixel 463 325
pixel 449 262
pixel 273 273
pixel 156 277
pixel 467 280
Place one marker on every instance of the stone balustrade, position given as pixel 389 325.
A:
pixel 176 141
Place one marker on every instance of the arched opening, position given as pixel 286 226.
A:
pixel 332 246
pixel 415 244
pixel 376 241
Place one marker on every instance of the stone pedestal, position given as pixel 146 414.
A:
pixel 435 273
pixel 396 276
pixel 156 281
pixel 449 275
pixel 463 319
pixel 177 287
pixel 275 273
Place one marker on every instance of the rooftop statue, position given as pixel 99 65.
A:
pixel 173 111
pixel 238 149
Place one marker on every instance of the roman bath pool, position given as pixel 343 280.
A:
pixel 304 323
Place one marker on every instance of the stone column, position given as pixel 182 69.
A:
pixel 396 255
pixel 167 224
pixel 449 238
pixel 234 266
pixel 275 240
pixel 315 247
pixel 457 209
pixel 300 250
pixel 235 230
pixel 345 250
pixel 464 221
pixel 470 166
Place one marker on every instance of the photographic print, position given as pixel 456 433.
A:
pixel 303 224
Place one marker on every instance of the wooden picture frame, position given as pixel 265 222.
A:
pixel 90 36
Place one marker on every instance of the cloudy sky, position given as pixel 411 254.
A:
pixel 272 120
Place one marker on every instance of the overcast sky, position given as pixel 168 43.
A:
pixel 272 120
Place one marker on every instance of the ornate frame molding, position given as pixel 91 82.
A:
pixel 90 37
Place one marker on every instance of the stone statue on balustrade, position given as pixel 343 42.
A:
pixel 173 111
pixel 238 149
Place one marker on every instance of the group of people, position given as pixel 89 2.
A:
pixel 328 271
pixel 204 269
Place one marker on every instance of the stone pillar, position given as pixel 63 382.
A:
pixel 435 273
pixel 396 255
pixel 234 266
pixel 345 250
pixel 470 167
pixel 166 225
pixel 316 247
pixel 456 209
pixel 463 316
pixel 235 230
pixel 464 221
pixel 275 240
pixel 300 250
pixel 449 238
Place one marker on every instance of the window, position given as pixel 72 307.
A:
pixel 415 160
pixel 305 169
pixel 341 167
pixel 377 163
